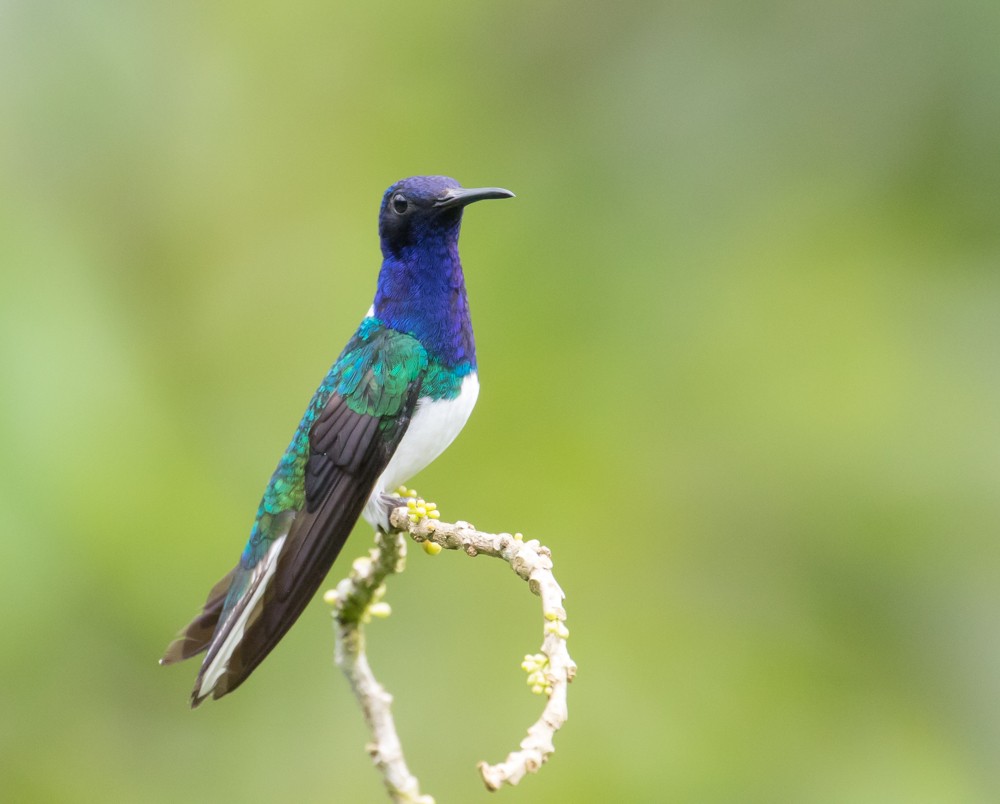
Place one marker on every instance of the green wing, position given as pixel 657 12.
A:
pixel 317 493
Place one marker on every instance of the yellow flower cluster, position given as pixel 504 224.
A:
pixel 534 665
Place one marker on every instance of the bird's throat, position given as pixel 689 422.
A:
pixel 421 291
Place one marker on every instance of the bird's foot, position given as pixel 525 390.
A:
pixel 392 501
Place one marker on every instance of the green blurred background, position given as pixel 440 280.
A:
pixel 738 338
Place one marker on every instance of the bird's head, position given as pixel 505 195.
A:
pixel 426 209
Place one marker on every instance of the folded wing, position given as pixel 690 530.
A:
pixel 314 499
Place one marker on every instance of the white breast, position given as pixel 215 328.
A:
pixel 434 425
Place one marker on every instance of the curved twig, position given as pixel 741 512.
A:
pixel 358 598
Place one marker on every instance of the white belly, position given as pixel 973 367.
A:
pixel 433 427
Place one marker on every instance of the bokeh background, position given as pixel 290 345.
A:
pixel 739 343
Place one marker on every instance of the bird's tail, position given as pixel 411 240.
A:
pixel 193 639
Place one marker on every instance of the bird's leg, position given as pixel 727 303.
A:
pixel 390 502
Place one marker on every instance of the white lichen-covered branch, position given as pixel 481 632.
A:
pixel 358 598
pixel 551 670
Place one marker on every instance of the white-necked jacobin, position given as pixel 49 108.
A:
pixel 397 396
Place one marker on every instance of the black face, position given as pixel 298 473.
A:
pixel 408 209
pixel 426 207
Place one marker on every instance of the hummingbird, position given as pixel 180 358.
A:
pixel 396 397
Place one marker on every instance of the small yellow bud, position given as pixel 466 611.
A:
pixel 519 537
pixel 330 597
pixel 380 610
pixel 431 548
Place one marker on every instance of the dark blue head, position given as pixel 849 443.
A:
pixel 425 210
pixel 421 289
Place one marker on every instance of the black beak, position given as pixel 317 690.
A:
pixel 460 196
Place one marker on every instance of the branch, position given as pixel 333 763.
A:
pixel 549 672
pixel 358 598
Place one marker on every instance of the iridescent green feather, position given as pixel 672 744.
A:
pixel 373 374
pixel 444 383
pixel 377 368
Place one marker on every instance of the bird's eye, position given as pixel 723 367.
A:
pixel 399 203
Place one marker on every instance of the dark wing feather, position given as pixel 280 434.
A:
pixel 348 452
pixel 196 636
